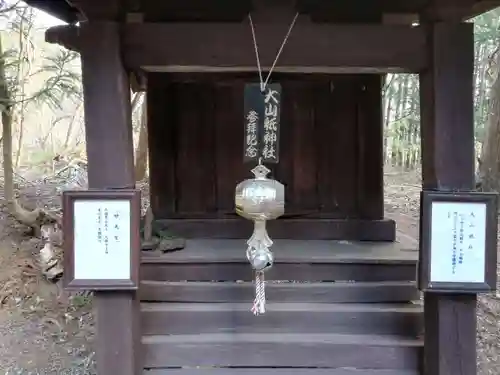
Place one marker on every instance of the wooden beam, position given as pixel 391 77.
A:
pixel 226 47
pixel 447 128
pixel 447 113
pixel 64 35
pixel 370 162
pixel 108 129
pixel 349 48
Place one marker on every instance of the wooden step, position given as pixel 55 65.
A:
pixel 224 271
pixel 282 349
pixel 205 318
pixel 336 292
pixel 224 260
pixel 277 371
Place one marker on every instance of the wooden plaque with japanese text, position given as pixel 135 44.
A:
pixel 458 242
pixel 101 239
pixel 262 123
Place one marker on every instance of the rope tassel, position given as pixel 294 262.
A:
pixel 259 303
pixel 261 259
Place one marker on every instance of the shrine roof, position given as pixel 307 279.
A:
pixel 331 9
pixel 58 8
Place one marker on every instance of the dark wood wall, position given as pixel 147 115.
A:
pixel 330 144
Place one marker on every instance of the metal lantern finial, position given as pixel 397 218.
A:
pixel 260 199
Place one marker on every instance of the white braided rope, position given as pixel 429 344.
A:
pixel 259 303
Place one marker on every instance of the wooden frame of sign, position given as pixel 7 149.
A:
pixel 458 242
pixel 101 239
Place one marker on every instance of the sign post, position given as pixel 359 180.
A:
pixel 101 239
pixel 458 242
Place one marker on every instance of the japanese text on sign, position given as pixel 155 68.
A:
pixel 262 119
pixel 108 227
pixel 252 144
pixel 270 136
pixel 104 254
pixel 458 236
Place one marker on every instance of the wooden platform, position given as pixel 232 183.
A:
pixel 283 349
pixel 278 371
pixel 294 318
pixel 328 301
pixel 404 250
pixel 315 260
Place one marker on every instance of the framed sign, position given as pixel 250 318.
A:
pixel 458 242
pixel 101 239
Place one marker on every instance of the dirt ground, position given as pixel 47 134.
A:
pixel 402 204
pixel 45 331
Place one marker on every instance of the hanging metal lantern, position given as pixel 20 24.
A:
pixel 260 199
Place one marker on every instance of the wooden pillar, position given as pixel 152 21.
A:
pixel 447 127
pixel 108 128
pixel 370 149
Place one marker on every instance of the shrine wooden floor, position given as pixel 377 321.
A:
pixel 404 250
pixel 328 301
pixel 308 261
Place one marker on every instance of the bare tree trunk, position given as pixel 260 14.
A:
pixel 70 126
pixel 141 152
pixel 19 82
pixel 135 100
pixel 387 115
pixel 490 158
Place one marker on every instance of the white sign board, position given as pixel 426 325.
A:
pixel 458 242
pixel 102 239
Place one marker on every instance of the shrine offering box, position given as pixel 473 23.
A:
pixel 101 239
pixel 458 242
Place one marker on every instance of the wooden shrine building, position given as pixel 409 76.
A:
pixel 350 311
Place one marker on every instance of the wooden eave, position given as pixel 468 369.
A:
pixel 229 10
pixel 58 8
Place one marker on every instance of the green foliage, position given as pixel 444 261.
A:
pixel 38 85
pixel 401 101
pixel 62 82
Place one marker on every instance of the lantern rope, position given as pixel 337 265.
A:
pixel 263 83
pixel 259 303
